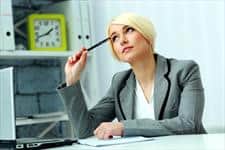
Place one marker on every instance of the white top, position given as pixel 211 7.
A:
pixel 143 109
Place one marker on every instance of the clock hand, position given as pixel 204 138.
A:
pixel 47 33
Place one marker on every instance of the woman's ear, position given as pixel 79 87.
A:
pixel 151 45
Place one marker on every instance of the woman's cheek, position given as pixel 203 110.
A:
pixel 117 50
pixel 137 38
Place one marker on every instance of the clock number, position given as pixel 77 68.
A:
pixel 36 33
pixel 36 28
pixel 56 27
pixel 46 44
pixel 45 23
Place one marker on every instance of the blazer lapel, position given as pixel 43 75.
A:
pixel 161 84
pixel 127 97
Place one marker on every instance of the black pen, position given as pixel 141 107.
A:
pixel 97 44
pixel 94 46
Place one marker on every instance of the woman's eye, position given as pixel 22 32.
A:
pixel 129 29
pixel 114 38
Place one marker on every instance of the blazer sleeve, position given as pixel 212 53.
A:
pixel 189 118
pixel 84 121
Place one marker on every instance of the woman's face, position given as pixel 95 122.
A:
pixel 128 44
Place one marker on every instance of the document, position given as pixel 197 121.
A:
pixel 94 141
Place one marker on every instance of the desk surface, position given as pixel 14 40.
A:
pixel 176 142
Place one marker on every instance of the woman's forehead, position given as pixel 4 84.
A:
pixel 114 28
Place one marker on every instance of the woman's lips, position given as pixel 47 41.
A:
pixel 126 49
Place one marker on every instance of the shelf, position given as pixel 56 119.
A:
pixel 52 118
pixel 26 54
pixel 43 118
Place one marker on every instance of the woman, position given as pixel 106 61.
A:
pixel 156 97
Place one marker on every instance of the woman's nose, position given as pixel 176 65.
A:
pixel 123 40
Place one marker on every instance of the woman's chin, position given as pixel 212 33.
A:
pixel 127 59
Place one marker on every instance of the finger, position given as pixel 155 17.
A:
pixel 83 58
pixel 73 60
pixel 83 49
pixel 100 134
pixel 77 56
pixel 100 127
pixel 107 135
pixel 96 130
pixel 78 53
pixel 69 60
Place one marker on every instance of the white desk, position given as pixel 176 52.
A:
pixel 177 142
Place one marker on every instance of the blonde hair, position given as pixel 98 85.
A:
pixel 139 23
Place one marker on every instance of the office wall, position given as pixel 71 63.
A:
pixel 187 29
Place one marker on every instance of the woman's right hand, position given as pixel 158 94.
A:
pixel 74 66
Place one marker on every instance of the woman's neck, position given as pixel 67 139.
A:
pixel 144 69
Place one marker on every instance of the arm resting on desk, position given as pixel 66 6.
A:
pixel 84 121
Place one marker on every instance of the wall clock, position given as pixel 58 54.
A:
pixel 47 32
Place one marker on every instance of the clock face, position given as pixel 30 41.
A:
pixel 47 33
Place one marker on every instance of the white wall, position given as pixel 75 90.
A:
pixel 190 29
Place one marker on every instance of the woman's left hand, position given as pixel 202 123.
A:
pixel 107 130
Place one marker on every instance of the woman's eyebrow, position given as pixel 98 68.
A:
pixel 123 28
pixel 112 34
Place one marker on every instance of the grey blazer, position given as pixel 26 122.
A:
pixel 178 102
